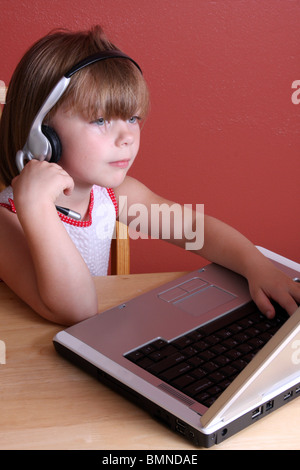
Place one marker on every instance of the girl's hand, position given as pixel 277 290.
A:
pixel 40 183
pixel 267 283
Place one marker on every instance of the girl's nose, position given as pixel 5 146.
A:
pixel 124 135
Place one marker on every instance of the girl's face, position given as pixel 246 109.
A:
pixel 99 152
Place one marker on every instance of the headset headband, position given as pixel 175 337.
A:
pixel 112 54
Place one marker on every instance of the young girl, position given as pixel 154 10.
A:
pixel 49 259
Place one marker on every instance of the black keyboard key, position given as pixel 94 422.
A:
pixel 196 361
pixel 236 328
pixel 212 340
pixel 196 335
pixel 168 350
pixel 207 355
pixel 145 362
pixel 135 356
pixel 176 371
pixel 203 397
pixel 222 360
pixel 189 351
pixel 210 367
pixel 239 364
pixel 224 384
pixel 234 354
pixel 219 349
pixel 159 343
pixel 227 371
pixel 166 363
pixel 215 391
pixel 183 381
pixel 157 355
pixel 224 333
pixel 201 345
pixel 147 349
pixel 256 343
pixel 198 387
pixel 252 331
pixel 183 342
pixel 231 343
pixel 217 377
pixel 244 348
pixel 199 373
pixel 241 337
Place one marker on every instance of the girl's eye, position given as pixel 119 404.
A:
pixel 134 119
pixel 100 122
pixel 103 124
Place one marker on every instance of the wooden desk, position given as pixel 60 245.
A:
pixel 47 403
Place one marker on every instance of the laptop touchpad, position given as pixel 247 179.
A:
pixel 204 300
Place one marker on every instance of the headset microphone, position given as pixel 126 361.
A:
pixel 43 143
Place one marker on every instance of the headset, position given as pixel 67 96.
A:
pixel 43 142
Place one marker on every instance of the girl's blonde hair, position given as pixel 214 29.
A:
pixel 113 88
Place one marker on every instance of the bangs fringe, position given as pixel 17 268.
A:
pixel 111 89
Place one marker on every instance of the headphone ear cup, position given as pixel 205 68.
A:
pixel 54 142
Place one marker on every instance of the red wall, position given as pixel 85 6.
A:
pixel 223 129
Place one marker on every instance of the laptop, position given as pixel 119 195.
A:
pixel 195 353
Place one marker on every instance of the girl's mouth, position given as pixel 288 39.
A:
pixel 120 163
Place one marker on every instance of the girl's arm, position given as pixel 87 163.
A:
pixel 223 245
pixel 38 259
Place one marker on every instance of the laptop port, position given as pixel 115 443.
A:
pixel 297 389
pixel 269 405
pixel 258 411
pixel 288 395
pixel 180 427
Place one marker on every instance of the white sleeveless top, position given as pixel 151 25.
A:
pixel 92 237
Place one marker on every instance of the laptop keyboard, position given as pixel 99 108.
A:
pixel 202 363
